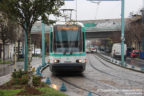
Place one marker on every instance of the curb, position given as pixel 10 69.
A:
pixel 40 69
pixel 43 68
pixel 3 80
pixel 136 69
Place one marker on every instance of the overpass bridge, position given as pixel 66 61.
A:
pixel 102 28
pixel 106 28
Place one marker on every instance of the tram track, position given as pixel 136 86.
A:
pixel 105 84
pixel 103 63
pixel 74 85
pixel 95 82
pixel 105 59
pixel 104 72
pixel 98 56
pixel 112 74
pixel 100 84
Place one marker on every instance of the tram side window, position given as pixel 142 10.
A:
pixel 83 42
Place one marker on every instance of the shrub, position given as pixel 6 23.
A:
pixel 19 77
pixel 24 79
pixel 18 74
pixel 16 81
pixel 37 80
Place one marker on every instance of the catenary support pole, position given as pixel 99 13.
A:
pixel 43 44
pixel 143 26
pixel 122 32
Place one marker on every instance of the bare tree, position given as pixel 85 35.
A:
pixel 134 30
pixel 8 31
pixel 128 34
pixel 26 13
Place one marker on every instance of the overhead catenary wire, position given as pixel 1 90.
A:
pixel 76 10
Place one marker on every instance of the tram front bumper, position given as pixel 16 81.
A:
pixel 77 67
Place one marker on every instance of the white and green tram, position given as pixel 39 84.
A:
pixel 67 47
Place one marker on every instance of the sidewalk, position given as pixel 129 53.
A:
pixel 5 69
pixel 36 61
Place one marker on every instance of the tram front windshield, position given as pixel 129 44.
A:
pixel 67 39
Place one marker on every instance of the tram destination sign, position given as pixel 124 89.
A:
pixel 67 27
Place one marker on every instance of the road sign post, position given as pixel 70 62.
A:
pixel 43 44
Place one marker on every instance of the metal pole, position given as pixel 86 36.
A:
pixel 26 52
pixel 143 3
pixel 122 32
pixel 43 44
pixel 76 10
pixel 143 26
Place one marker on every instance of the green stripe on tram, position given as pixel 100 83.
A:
pixel 60 55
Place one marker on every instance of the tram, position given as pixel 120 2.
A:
pixel 67 47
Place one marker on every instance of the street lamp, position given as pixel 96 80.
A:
pixel 97 3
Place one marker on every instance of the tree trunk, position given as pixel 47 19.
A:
pixel 3 48
pixel 34 47
pixel 30 84
pixel 139 44
pixel 18 48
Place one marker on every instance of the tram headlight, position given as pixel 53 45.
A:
pixel 79 61
pixel 56 61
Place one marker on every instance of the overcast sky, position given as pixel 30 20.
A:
pixel 105 10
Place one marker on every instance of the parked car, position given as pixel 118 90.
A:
pixel 135 53
pixel 107 50
pixel 129 50
pixel 37 51
pixel 116 50
pixel 93 50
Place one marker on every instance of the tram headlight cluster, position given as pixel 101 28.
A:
pixel 79 61
pixel 56 61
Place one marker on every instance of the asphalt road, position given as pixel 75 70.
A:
pixel 101 78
